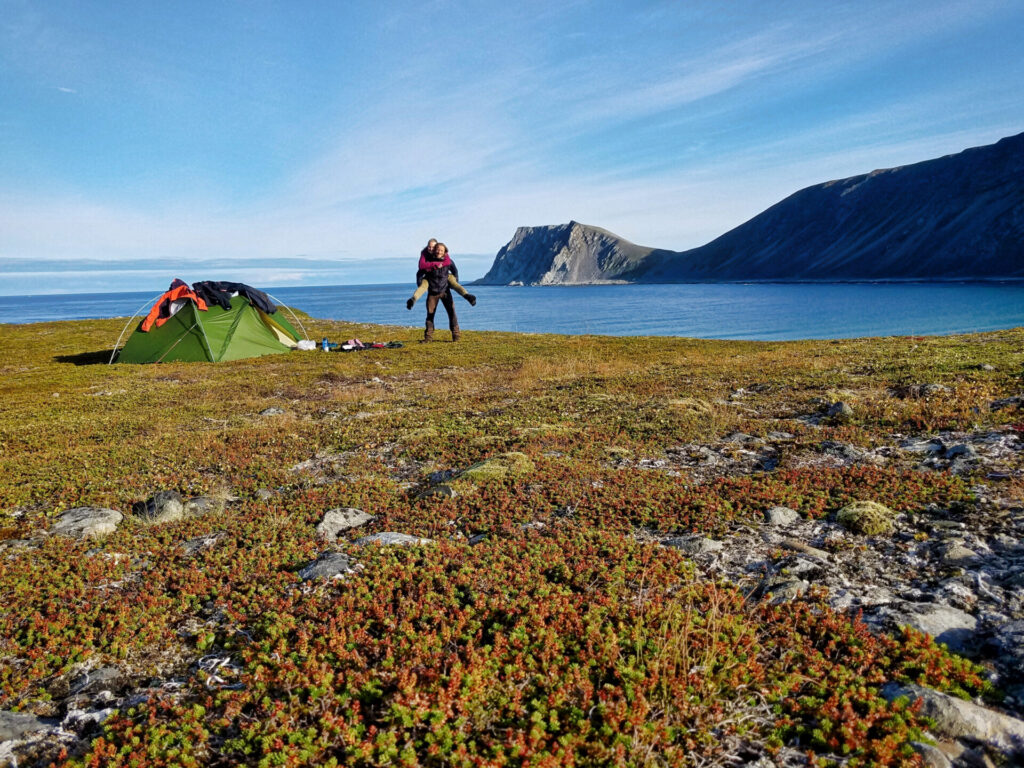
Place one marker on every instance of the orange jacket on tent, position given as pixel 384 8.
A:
pixel 161 311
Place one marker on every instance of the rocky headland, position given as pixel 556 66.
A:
pixel 959 217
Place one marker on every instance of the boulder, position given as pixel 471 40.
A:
pixel 866 517
pixel 101 679
pixel 781 516
pixel 958 719
pixel 329 566
pixel 391 539
pixel 161 507
pixel 945 623
pixel 17 725
pixel 86 522
pixel 341 519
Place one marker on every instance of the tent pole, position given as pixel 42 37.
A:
pixel 294 316
pixel 113 352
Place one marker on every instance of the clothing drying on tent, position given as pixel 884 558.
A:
pixel 209 322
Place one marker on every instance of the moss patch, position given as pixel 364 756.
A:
pixel 866 517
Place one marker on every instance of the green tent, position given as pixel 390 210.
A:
pixel 214 335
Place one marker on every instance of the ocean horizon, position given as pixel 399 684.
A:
pixel 772 311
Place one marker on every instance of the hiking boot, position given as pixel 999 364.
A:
pixel 409 303
pixel 471 299
pixel 428 333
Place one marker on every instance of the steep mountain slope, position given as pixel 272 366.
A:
pixel 955 217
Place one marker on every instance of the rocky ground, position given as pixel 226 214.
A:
pixel 953 569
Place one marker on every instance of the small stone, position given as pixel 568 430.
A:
pixel 341 519
pixel 782 589
pixel 329 566
pixel 693 545
pixel 161 507
pixel 476 538
pixel 272 411
pixel 86 522
pixel 957 554
pixel 840 411
pixel 16 725
pixel 101 679
pixel 798 546
pixel 866 517
pixel 439 491
pixel 781 516
pixel 928 390
pixel 199 543
pixel 391 539
pixel 203 505
pixel 986 367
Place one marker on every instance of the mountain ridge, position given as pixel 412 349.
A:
pixel 956 217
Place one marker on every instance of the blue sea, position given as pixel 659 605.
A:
pixel 712 311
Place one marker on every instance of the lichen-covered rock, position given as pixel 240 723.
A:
pixel 86 522
pixel 341 519
pixel 203 505
pixel 17 725
pixel 161 507
pixel 500 467
pixel 781 516
pixel 866 517
pixel 329 566
pixel 391 539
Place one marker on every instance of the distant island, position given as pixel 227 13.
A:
pixel 958 217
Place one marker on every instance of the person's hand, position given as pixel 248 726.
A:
pixel 471 299
pixel 409 303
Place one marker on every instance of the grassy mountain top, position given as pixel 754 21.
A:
pixel 562 636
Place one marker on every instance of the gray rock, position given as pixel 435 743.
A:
pixel 932 756
pixel 199 543
pixel 946 624
pixel 781 516
pixel 956 554
pixel 439 491
pixel 693 545
pixel 101 679
pixel 161 507
pixel 927 390
pixel 986 367
pixel 341 519
pixel 840 410
pixel 203 505
pixel 843 450
pixel 780 589
pixel 476 538
pixel 272 411
pixel 86 522
pixel 1016 402
pixel 775 435
pixel 391 539
pixel 329 566
pixel 961 450
pixel 962 719
pixel 935 445
pixel 17 725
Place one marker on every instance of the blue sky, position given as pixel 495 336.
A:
pixel 291 143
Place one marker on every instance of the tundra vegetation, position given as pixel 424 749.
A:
pixel 539 626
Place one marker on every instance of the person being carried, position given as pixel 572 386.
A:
pixel 435 278
pixel 429 260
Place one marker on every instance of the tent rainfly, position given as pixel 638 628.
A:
pixel 212 322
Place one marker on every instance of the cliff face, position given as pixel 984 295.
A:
pixel 565 254
pixel 955 217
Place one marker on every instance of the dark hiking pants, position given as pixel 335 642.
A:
pixel 449 307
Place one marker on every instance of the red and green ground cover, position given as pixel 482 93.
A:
pixel 571 643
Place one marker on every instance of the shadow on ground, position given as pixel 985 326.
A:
pixel 100 357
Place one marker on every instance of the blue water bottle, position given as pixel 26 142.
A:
pixel 324 345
